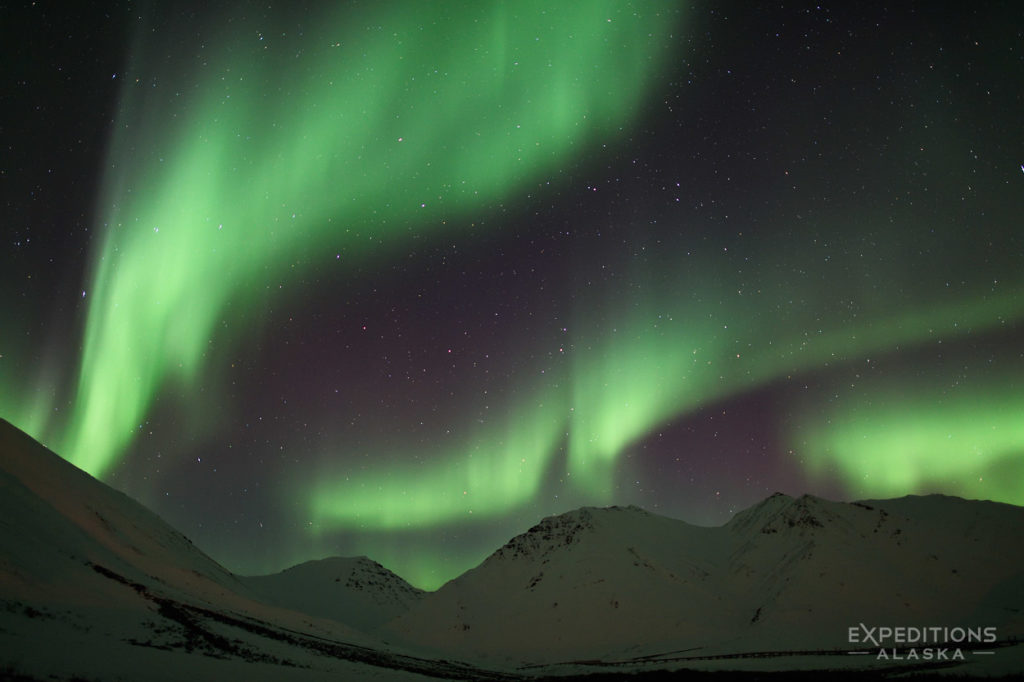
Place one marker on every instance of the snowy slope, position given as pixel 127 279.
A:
pixel 578 585
pixel 912 560
pixel 785 575
pixel 95 586
pixel 356 591
pixel 57 522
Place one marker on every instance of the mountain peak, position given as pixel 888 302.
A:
pixel 359 573
pixel 551 533
pixel 562 530
pixel 356 591
pixel 760 512
pixel 779 511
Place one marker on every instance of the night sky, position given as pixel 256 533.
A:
pixel 399 279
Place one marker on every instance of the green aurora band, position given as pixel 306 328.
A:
pixel 643 357
pixel 495 471
pixel 967 442
pixel 396 123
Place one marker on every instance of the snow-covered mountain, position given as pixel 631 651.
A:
pixel 789 574
pixel 95 586
pixel 356 591
pixel 580 585
pixel 809 567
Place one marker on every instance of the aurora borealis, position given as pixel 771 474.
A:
pixel 398 280
pixel 241 186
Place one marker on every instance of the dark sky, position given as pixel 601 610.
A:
pixel 399 279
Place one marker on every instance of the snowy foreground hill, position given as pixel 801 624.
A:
pixel 94 586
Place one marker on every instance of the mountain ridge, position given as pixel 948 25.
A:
pixel 787 573
pixel 611 585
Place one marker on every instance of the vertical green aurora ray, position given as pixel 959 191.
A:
pixel 380 126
